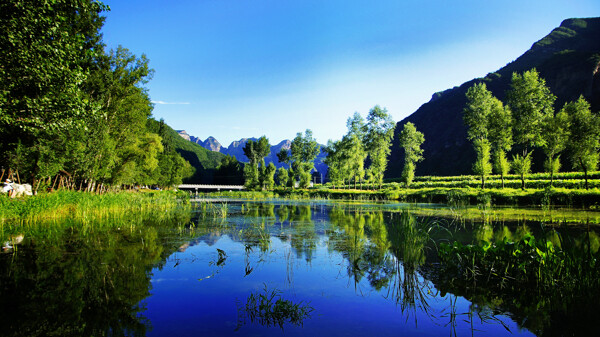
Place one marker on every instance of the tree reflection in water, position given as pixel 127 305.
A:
pixel 85 279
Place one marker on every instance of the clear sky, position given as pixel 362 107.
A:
pixel 246 68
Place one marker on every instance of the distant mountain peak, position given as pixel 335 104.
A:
pixel 212 144
pixel 183 134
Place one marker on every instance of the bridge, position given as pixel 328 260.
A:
pixel 197 187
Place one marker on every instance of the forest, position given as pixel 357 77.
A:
pixel 73 114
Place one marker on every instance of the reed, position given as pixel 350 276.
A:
pixel 270 309
pixel 69 204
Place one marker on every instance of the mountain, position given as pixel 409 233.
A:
pixel 204 161
pixel 236 148
pixel 568 59
pixel 211 144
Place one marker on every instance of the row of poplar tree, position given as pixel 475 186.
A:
pixel 526 122
pixel 70 108
pixel 362 154
pixel 300 157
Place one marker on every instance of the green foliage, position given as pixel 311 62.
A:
pixel 410 141
pixel 304 150
pixel 270 309
pixel 229 172
pixel 80 205
pixel 555 132
pixel 482 166
pixel 269 179
pixel 527 262
pixel 282 177
pixel 531 103
pixel 585 132
pixel 477 111
pixel 501 164
pixel 337 162
pixel 521 165
pixel 67 107
pixel 378 137
pixel 256 151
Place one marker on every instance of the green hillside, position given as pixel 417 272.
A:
pixel 204 161
pixel 568 59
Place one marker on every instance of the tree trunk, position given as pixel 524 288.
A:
pixel 482 182
pixel 502 177
pixel 522 181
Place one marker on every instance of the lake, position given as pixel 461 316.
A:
pixel 291 268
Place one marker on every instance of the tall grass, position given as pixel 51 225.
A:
pixel 69 204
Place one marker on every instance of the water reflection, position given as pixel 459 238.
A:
pixel 363 270
pixel 81 280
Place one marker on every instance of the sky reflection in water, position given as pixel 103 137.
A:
pixel 338 261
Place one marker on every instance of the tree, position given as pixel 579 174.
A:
pixel 482 166
pixel 47 51
pixel 336 161
pixel 283 156
pixel 269 177
pixel 353 143
pixel 476 116
pixel 229 172
pixel 304 150
pixel 585 132
pixel 555 132
pixel 500 136
pixel 256 151
pixel 521 165
pixel 282 177
pixel 531 102
pixel 378 139
pixel 410 141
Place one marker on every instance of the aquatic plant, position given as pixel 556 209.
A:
pixel 270 309
pixel 528 261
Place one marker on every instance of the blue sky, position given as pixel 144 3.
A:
pixel 247 68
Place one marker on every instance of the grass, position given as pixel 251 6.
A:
pixel 70 204
pixel 270 309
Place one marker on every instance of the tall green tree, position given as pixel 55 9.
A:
pixel 269 177
pixel 410 141
pixel 46 52
pixel 378 139
pixel 585 136
pixel 531 103
pixel 353 143
pixel 555 132
pixel 500 137
pixel 255 151
pixel 337 162
pixel 476 116
pixel 304 150
pixel 282 177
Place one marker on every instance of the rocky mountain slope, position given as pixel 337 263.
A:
pixel 568 59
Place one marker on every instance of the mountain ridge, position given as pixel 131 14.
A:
pixel 568 58
pixel 236 149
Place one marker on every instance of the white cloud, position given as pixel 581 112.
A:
pixel 170 103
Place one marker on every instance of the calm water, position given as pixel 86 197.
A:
pixel 342 270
